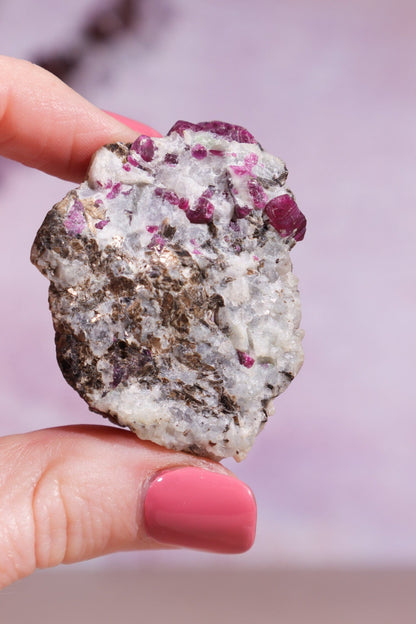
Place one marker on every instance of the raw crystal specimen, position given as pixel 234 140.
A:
pixel 175 309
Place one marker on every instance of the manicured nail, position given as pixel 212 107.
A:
pixel 137 126
pixel 197 508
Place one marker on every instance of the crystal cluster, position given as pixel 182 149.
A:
pixel 175 308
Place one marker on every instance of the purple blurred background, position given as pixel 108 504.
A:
pixel 330 88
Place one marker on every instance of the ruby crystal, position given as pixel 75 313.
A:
pixel 221 128
pixel 156 242
pixel 241 211
pixel 245 359
pixel 171 159
pixel 180 127
pixel 286 217
pixel 183 203
pixel 202 213
pixel 145 147
pixel 169 196
pixel 115 190
pixel 75 221
pixel 101 224
pixel 258 195
pixel 199 151
pixel 227 130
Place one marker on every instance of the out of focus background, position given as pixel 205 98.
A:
pixel 330 88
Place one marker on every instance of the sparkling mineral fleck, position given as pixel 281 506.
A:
pixel 174 304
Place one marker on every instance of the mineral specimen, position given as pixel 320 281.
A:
pixel 175 309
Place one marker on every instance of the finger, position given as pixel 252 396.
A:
pixel 47 125
pixel 74 493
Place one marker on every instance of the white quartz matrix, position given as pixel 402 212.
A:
pixel 172 294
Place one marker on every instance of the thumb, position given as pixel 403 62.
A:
pixel 74 493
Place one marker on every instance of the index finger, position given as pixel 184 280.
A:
pixel 47 125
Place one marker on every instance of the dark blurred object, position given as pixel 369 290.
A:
pixel 103 27
pixel 113 21
pixel 61 64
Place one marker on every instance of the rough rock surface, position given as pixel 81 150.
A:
pixel 175 309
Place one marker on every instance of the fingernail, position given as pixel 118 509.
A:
pixel 137 126
pixel 197 508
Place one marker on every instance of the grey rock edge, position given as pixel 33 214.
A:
pixel 172 295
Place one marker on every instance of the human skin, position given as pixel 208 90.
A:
pixel 72 493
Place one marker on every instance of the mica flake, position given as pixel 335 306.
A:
pixel 174 304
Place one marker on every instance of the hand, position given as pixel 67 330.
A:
pixel 73 493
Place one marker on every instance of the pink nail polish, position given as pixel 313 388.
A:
pixel 197 508
pixel 137 126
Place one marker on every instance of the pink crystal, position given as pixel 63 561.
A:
pixel 115 190
pixel 239 170
pixel 132 161
pixel 241 211
pixel 221 128
pixel 208 193
pixel 169 196
pixel 101 224
pixel 227 130
pixel 171 159
pixel 180 127
pixel 258 195
pixel 245 359
pixel 183 203
pixel 246 168
pixel 203 211
pixel 286 217
pixel 199 151
pixel 145 147
pixel 157 242
pixel 75 221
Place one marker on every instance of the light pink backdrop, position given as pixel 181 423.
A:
pixel 329 87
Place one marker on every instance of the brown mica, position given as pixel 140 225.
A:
pixel 75 359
